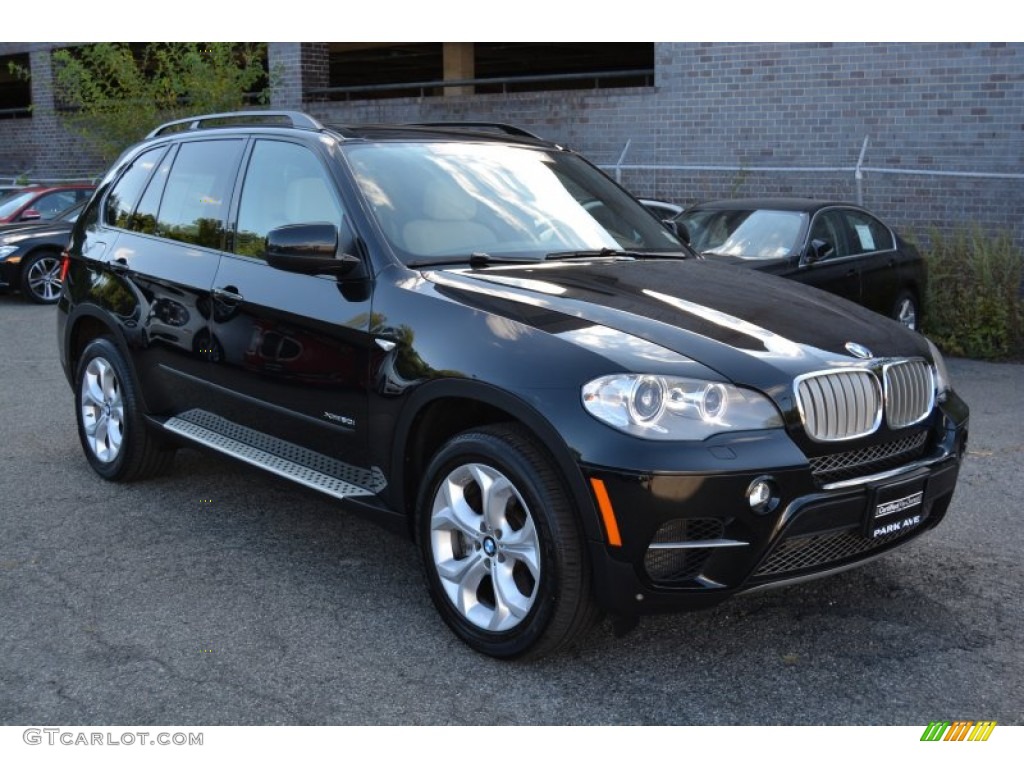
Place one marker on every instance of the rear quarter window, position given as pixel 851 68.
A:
pixel 122 198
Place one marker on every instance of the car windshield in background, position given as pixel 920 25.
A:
pixel 11 204
pixel 758 234
pixel 444 201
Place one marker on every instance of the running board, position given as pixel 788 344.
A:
pixel 291 461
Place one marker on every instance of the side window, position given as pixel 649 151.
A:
pixel 144 219
pixel 55 202
pixel 198 191
pixel 285 183
pixel 828 226
pixel 867 234
pixel 122 197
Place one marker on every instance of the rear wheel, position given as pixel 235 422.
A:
pixel 40 277
pixel 504 556
pixel 111 423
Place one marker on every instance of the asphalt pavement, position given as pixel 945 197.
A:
pixel 218 595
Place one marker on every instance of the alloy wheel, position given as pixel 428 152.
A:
pixel 906 313
pixel 102 407
pixel 43 278
pixel 485 547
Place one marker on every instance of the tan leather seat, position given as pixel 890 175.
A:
pixel 448 225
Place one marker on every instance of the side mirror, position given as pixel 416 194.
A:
pixel 678 228
pixel 818 250
pixel 309 249
pixel 30 214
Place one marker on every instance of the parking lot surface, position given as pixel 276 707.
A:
pixel 219 595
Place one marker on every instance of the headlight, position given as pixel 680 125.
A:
pixel 7 250
pixel 942 385
pixel 673 408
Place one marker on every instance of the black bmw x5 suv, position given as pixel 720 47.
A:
pixel 476 337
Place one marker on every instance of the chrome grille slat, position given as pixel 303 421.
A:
pixel 847 404
pixel 677 565
pixel 839 405
pixel 909 392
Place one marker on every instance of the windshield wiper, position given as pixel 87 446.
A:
pixel 475 260
pixel 613 252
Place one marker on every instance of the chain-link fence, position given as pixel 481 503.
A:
pixel 916 200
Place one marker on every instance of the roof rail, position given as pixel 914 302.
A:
pixel 244 117
pixel 512 130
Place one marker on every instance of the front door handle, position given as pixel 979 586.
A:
pixel 228 294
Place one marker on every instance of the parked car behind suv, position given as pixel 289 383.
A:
pixel 35 203
pixel 838 247
pixel 30 255
pixel 479 339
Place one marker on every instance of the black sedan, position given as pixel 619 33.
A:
pixel 30 255
pixel 837 247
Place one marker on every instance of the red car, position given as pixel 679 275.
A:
pixel 34 203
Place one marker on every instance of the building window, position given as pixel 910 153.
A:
pixel 395 70
pixel 15 89
pixel 561 66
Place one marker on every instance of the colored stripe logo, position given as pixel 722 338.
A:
pixel 959 730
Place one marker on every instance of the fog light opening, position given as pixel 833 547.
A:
pixel 762 496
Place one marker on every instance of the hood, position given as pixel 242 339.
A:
pixel 12 232
pixel 750 327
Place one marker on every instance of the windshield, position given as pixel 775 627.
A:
pixel 10 205
pixel 747 234
pixel 443 201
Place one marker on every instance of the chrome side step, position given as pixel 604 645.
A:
pixel 309 468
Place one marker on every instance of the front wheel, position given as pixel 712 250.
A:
pixel 504 556
pixel 906 311
pixel 40 277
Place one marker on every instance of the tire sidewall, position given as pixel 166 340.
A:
pixel 483 448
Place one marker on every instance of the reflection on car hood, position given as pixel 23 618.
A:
pixel 34 229
pixel 739 261
pixel 739 322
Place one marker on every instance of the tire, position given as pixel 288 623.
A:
pixel 514 582
pixel 905 310
pixel 111 425
pixel 40 277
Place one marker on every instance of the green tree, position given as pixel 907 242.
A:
pixel 116 93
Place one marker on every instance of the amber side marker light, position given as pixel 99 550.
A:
pixel 611 527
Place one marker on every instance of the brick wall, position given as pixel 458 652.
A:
pixel 40 145
pixel 954 107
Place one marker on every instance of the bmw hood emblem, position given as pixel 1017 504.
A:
pixel 858 350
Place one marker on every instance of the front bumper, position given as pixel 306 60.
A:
pixel 690 541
